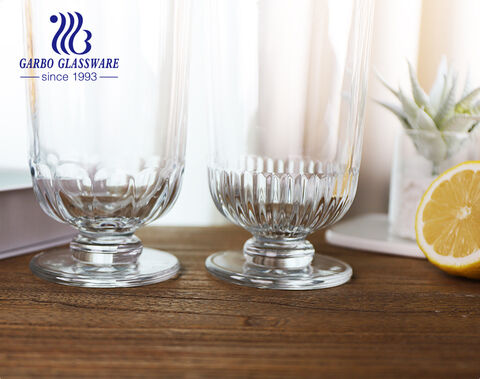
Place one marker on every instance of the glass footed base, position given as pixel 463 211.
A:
pixel 59 266
pixel 324 272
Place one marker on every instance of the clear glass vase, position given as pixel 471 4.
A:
pixel 419 157
pixel 286 84
pixel 107 90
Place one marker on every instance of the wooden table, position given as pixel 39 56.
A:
pixel 398 317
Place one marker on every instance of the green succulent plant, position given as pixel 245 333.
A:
pixel 437 123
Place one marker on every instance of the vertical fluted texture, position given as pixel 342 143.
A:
pixel 283 198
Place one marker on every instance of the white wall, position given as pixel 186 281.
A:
pixel 395 40
pixel 194 205
pixel 13 131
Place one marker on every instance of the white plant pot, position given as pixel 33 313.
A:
pixel 413 171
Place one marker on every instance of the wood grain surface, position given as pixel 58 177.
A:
pixel 398 317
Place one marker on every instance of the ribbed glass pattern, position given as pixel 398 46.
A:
pixel 106 200
pixel 283 198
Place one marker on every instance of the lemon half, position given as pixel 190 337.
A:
pixel 447 223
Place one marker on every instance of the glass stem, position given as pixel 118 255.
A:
pixel 291 254
pixel 106 250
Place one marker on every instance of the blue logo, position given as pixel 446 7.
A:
pixel 67 37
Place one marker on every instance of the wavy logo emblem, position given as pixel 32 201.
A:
pixel 67 32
